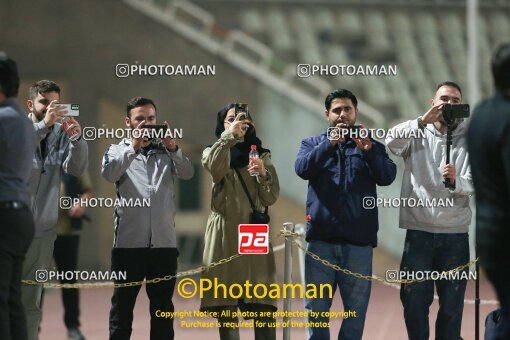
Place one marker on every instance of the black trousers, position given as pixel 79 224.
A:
pixel 65 254
pixel 16 234
pixel 140 263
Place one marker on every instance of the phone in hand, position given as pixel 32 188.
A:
pixel 241 108
pixel 73 110
pixel 157 127
pixel 156 131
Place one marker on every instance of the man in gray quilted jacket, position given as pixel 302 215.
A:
pixel 145 245
pixel 55 153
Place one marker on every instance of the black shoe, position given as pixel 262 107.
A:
pixel 74 334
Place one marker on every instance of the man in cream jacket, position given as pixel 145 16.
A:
pixel 437 235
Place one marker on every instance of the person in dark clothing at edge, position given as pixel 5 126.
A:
pixel 489 148
pixel 66 248
pixel 342 173
pixel 17 137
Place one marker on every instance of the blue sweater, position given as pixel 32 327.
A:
pixel 338 180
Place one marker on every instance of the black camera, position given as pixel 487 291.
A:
pixel 455 111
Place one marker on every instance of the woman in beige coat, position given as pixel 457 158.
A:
pixel 230 207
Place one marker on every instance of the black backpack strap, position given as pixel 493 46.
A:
pixel 245 188
pixel 246 191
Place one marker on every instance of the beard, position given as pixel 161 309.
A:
pixel 39 114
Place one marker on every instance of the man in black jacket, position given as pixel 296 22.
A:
pixel 489 148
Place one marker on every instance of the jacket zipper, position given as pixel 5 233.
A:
pixel 145 160
pixel 343 177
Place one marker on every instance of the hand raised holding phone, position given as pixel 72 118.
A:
pixel 239 126
pixel 72 128
pixel 54 112
pixel 137 137
pixel 170 143
pixel 69 124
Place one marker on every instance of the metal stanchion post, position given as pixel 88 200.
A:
pixel 301 230
pixel 287 279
